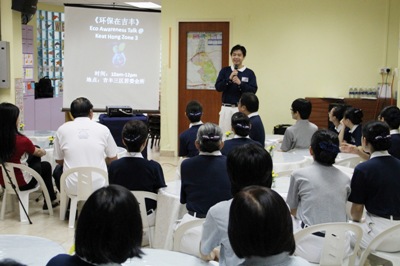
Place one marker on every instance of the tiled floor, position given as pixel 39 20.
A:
pixel 51 227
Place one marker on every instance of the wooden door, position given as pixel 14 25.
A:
pixel 210 99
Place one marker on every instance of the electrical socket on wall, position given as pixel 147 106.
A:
pixel 385 70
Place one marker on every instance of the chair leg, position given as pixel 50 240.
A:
pixel 25 201
pixel 72 212
pixel 3 206
pixel 63 205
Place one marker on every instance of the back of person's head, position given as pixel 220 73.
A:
pixel 377 133
pixel 209 137
pixel 10 262
pixel 240 124
pixel 260 223
pixel 109 228
pixel 325 146
pixel 81 107
pixel 391 115
pixel 238 47
pixel 194 110
pixel 247 165
pixel 302 106
pixel 355 115
pixel 134 134
pixel 9 114
pixel 338 111
pixel 250 100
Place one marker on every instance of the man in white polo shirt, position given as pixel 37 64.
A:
pixel 83 142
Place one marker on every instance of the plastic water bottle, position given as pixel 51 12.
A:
pixel 356 94
pixel 351 92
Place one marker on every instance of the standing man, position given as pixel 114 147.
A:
pixel 82 142
pixel 232 81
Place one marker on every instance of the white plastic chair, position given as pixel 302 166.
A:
pixel 147 227
pixel 84 190
pixel 181 230
pixel 350 162
pixel 24 195
pixel 333 250
pixel 392 233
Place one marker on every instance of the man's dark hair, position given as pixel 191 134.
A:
pixel 238 47
pixel 260 224
pixel 355 115
pixel 81 107
pixel 134 134
pixel 391 115
pixel 338 111
pixel 325 146
pixel 377 133
pixel 194 111
pixel 109 227
pixel 250 100
pixel 247 165
pixel 240 123
pixel 302 106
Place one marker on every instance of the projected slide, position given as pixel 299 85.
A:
pixel 112 57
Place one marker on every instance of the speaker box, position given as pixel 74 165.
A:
pixel 4 65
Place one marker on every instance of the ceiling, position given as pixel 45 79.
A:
pixel 95 2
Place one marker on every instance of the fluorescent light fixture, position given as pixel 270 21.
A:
pixel 143 4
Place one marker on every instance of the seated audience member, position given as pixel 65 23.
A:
pixel 299 135
pixel 391 115
pixel 241 128
pixel 352 119
pixel 247 164
pixel 260 228
pixel 375 185
pixel 82 142
pixel 10 262
pixel 335 116
pixel 17 148
pixel 248 104
pixel 133 171
pixel 205 181
pixel 194 111
pixel 109 230
pixel 318 193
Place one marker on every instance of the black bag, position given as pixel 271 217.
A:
pixel 280 129
pixel 43 88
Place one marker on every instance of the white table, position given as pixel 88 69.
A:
pixel 40 137
pixel 29 250
pixel 169 210
pixel 157 257
pixel 291 160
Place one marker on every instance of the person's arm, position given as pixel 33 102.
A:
pixel 251 85
pixel 350 148
pixel 356 212
pixel 210 238
pixel 110 159
pixel 224 79
pixel 341 133
pixel 60 162
pixel 293 212
pixel 39 152
pixel 287 141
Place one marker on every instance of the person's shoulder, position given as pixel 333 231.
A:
pixel 153 163
pixel 221 208
pixel 66 260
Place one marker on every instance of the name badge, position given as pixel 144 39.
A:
pixel 245 79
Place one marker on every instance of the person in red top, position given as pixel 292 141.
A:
pixel 16 148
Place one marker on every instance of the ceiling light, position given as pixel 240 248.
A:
pixel 143 4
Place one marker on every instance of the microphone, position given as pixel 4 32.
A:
pixel 236 67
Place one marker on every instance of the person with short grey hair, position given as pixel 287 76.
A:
pixel 205 182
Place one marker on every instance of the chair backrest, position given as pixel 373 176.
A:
pixel 388 235
pixel 10 168
pixel 350 162
pixel 180 232
pixel 141 197
pixel 336 237
pixel 84 177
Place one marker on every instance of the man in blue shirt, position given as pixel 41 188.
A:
pixel 232 81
